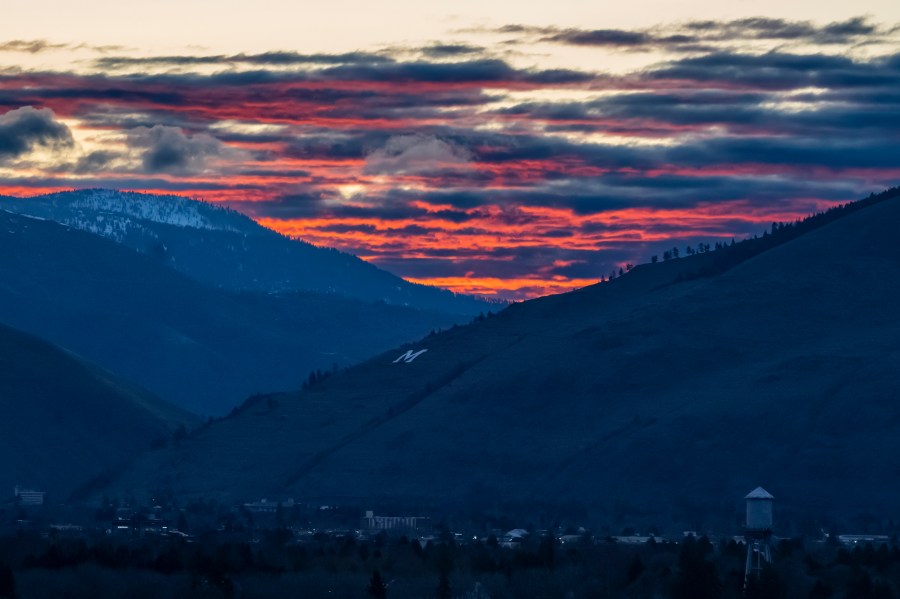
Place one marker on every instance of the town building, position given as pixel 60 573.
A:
pixel 404 524
pixel 28 497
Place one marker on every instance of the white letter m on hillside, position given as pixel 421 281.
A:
pixel 409 356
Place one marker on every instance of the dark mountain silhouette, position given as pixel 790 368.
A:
pixel 667 392
pixel 63 420
pixel 202 348
pixel 226 249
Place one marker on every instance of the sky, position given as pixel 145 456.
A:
pixel 505 149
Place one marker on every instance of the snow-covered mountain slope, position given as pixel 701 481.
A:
pixel 116 214
pixel 226 249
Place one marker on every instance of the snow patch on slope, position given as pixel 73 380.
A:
pixel 115 214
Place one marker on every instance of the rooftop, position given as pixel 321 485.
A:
pixel 759 493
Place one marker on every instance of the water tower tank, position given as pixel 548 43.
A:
pixel 759 510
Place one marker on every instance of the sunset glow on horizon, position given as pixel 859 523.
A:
pixel 509 159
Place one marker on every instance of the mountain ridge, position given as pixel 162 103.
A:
pixel 200 347
pixel 224 248
pixel 167 209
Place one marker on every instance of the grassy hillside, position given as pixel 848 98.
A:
pixel 666 392
pixel 63 421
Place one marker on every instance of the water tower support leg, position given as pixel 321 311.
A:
pixel 748 568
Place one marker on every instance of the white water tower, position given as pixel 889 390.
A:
pixel 759 511
pixel 757 531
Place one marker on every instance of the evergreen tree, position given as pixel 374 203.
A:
pixel 377 588
pixel 820 591
pixel 443 590
pixel 697 578
pixel 882 590
pixel 635 569
pixel 7 582
pixel 860 584
pixel 767 586
pixel 547 551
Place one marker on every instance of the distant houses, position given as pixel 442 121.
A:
pixel 264 506
pixel 854 540
pixel 636 539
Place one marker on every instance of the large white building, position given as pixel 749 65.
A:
pixel 395 523
pixel 28 496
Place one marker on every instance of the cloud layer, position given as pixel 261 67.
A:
pixel 24 129
pixel 416 155
pixel 169 150
pixel 454 164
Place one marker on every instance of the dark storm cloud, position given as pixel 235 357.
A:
pixel 103 93
pixel 263 59
pixel 29 46
pixel 39 45
pixel 587 196
pixel 743 111
pixel 600 37
pixel 342 228
pixel 781 71
pixel 169 149
pixel 739 112
pixel 23 129
pixel 451 50
pixel 355 67
pixel 362 141
pixel 617 113
pixel 742 93
pixel 698 36
pixel 499 148
pixel 781 29
pixel 294 58
pixel 319 145
pixel 460 84
pixel 94 162
pixel 838 154
pixel 597 195
pixel 122 117
pixel 486 70
pixel 416 154
pixel 125 183
pixel 396 106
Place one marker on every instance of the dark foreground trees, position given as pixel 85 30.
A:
pixel 377 589
pixel 697 576
pixel 268 565
pixel 7 582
